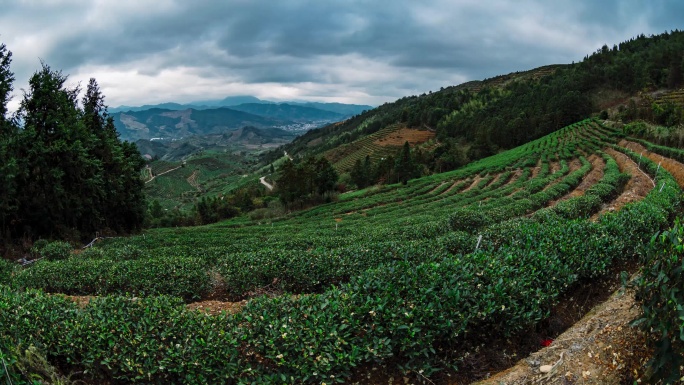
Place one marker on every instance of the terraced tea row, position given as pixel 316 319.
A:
pixel 400 276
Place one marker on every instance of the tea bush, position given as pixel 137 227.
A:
pixel 7 270
pixel 52 251
pixel 659 291
pixel 388 277
pixel 180 276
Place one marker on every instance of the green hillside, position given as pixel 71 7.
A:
pixel 289 112
pixel 481 118
pixel 179 184
pixel 403 278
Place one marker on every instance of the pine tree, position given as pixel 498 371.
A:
pixel 74 175
pixel 358 175
pixel 123 204
pixel 8 169
pixel 49 153
pixel 406 167
pixel 361 173
pixel 326 176
pixel 6 80
pixel 287 182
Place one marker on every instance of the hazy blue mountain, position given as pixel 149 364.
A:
pixel 291 112
pixel 346 110
pixel 199 105
pixel 230 101
pixel 170 124
pixel 167 106
pixel 340 108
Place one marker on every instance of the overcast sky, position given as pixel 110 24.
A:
pixel 366 52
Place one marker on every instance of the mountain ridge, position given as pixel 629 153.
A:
pixel 230 101
pixel 176 124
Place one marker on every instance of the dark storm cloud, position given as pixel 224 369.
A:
pixel 369 50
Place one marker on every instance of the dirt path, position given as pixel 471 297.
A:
pixel 536 169
pixel 436 188
pixel 211 307
pixel 590 179
pixel 553 167
pixel 476 180
pixel 514 177
pixel 637 188
pixel 148 171
pixel 599 349
pixel 495 179
pixel 574 165
pixel 192 180
pixel 672 166
pixel 217 307
pixel 447 191
pixel 557 180
pixel 269 186
pixel 160 174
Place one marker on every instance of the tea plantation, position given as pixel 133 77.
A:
pixel 408 278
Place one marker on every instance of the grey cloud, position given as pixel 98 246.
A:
pixel 292 42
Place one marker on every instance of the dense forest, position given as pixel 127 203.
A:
pixel 64 172
pixel 478 119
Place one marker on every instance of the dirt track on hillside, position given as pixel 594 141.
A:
pixel 599 349
pixel 590 179
pixel 672 166
pixel 637 188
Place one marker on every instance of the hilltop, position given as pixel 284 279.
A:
pixel 481 118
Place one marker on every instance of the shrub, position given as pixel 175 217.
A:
pixel 662 302
pixel 179 276
pixel 7 269
pixel 467 220
pixel 128 252
pixel 52 251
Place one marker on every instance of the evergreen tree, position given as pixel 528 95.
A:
pixel 326 176
pixel 385 172
pixel 123 205
pixel 362 173
pixel 6 80
pixel 305 181
pixel 287 183
pixel 50 153
pixel 67 174
pixel 405 167
pixel 358 175
pixel 8 169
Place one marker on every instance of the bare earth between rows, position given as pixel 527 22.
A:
pixel 599 349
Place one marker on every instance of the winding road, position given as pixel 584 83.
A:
pixel 263 181
pixel 162 173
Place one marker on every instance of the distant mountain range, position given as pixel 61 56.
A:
pixel 199 105
pixel 175 121
pixel 231 101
